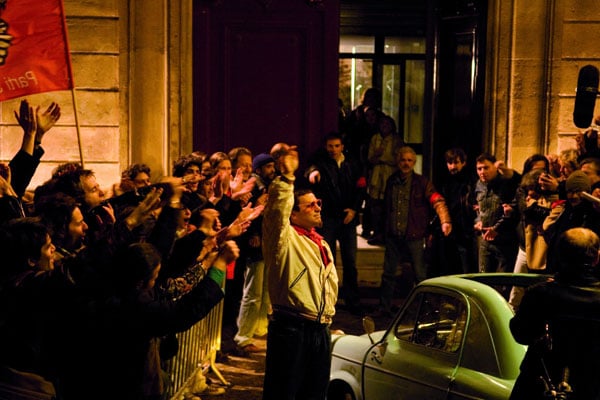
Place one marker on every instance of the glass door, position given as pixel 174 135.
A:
pixel 395 66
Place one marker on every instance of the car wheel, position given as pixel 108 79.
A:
pixel 339 391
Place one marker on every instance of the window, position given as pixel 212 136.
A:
pixel 406 45
pixel 394 65
pixel 434 320
pixel 479 352
pixel 357 44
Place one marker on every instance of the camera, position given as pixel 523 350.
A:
pixel 135 197
pixel 166 187
pixel 124 203
pixel 98 217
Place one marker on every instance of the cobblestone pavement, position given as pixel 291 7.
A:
pixel 244 375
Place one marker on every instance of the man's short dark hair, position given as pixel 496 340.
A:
pixel 297 194
pixel 216 158
pixel 134 170
pixel 454 154
pixel 65 168
pixel 56 212
pixel 483 157
pixel 593 161
pixel 333 136
pixel 70 184
pixel 183 162
pixel 236 152
pixel 534 158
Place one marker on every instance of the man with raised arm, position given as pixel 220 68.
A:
pixel 303 287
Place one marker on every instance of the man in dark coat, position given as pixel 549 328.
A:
pixel 333 175
pixel 560 322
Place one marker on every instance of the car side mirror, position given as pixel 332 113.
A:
pixel 369 326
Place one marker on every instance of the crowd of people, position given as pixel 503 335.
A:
pixel 96 282
pixel 486 216
pixel 99 277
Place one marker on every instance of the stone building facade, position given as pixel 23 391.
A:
pixel 132 64
pixel 535 51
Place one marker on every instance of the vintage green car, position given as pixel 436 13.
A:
pixel 450 340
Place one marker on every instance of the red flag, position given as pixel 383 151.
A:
pixel 34 50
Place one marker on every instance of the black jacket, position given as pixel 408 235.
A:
pixel 571 311
pixel 337 187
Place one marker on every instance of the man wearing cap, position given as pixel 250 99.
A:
pixel 571 213
pixel 255 304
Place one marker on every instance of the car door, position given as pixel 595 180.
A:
pixel 481 370
pixel 418 355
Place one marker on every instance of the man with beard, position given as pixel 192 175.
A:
pixel 255 304
pixel 460 246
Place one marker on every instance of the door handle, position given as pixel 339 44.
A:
pixel 378 352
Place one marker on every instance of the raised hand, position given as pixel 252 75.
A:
pixel 243 192
pixel 144 209
pixel 289 162
pixel 229 252
pixel 209 251
pixel 6 189
pixel 26 118
pixel 237 181
pixel 178 187
pixel 221 184
pixel 210 223
pixel 225 253
pixel 46 120
pixel 262 199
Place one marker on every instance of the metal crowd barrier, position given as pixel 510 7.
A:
pixel 198 348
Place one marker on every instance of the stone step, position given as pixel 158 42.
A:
pixel 369 264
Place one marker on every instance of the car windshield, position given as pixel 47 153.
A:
pixel 434 320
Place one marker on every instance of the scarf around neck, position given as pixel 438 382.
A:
pixel 315 237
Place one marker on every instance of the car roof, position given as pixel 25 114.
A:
pixel 490 279
pixel 478 289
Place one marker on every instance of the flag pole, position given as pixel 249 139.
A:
pixel 70 71
pixel 76 112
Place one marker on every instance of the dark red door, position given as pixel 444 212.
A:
pixel 264 72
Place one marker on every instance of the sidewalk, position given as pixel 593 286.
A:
pixel 245 375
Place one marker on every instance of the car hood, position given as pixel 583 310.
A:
pixel 352 346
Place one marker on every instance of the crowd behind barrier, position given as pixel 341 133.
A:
pixel 131 267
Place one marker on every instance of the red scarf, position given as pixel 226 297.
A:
pixel 315 237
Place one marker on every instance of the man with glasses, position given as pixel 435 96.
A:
pixel 303 287
pixel 333 176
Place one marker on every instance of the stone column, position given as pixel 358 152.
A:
pixel 159 98
pixel 518 78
